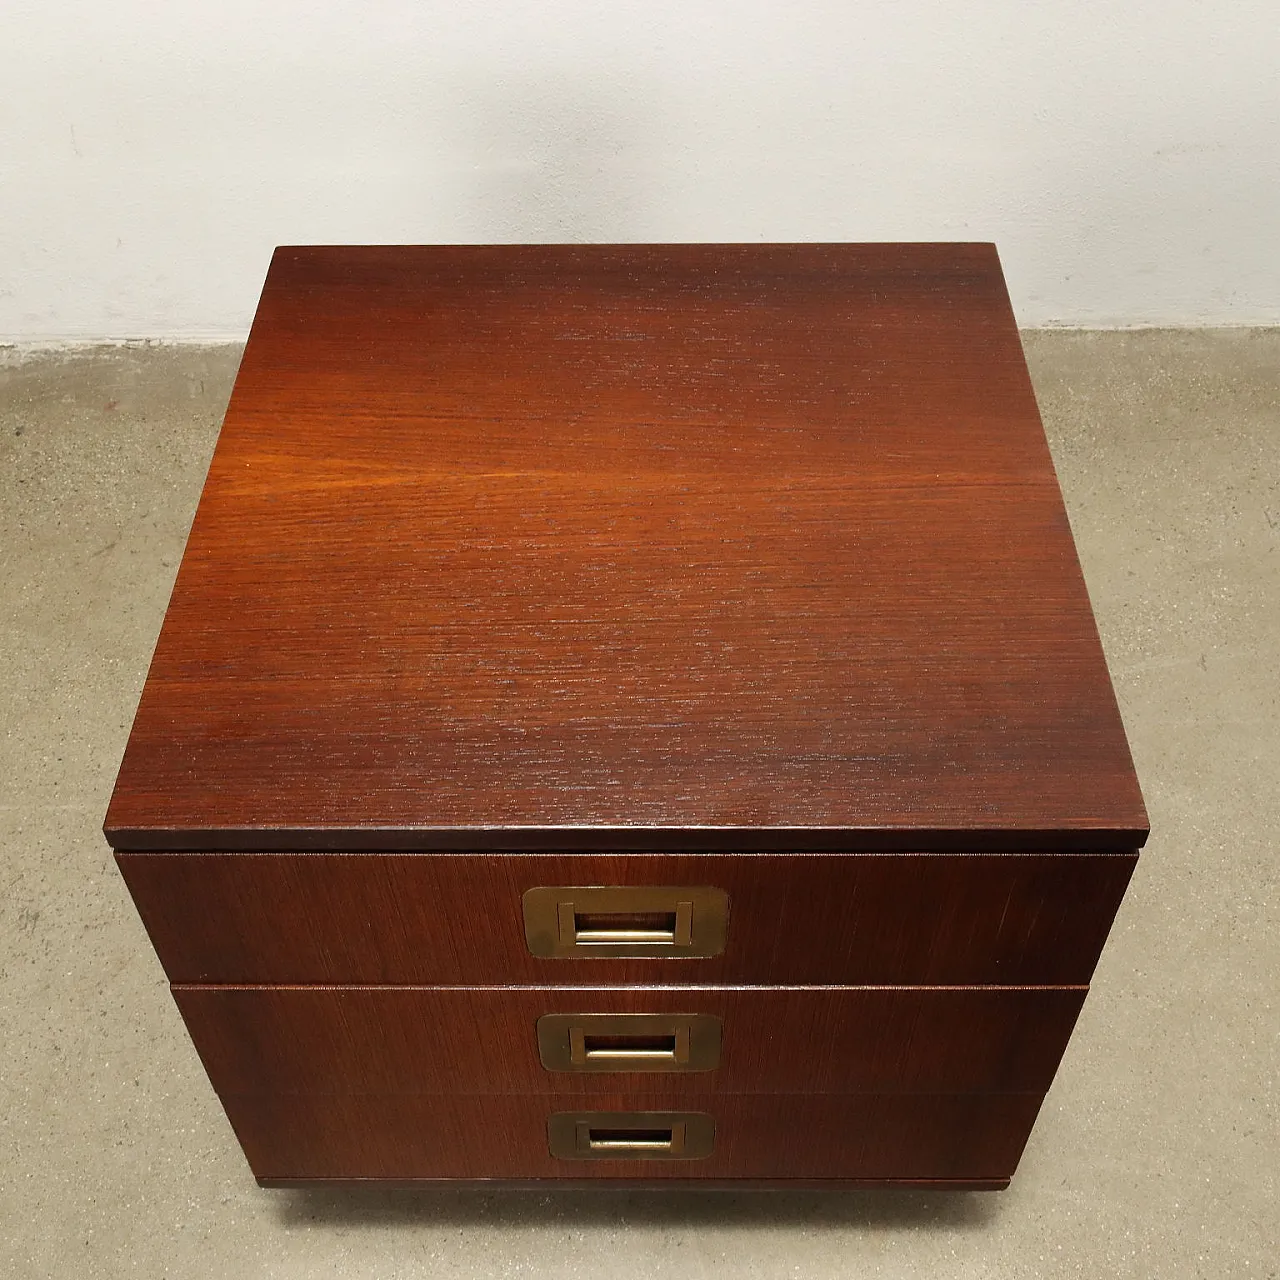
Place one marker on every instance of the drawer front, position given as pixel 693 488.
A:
pixel 792 919
pixel 403 1136
pixel 393 1040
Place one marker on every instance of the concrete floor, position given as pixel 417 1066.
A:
pixel 1157 1151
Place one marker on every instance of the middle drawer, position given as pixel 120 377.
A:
pixel 483 1040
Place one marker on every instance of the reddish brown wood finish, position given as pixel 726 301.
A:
pixel 402 1136
pixel 736 565
pixel 685 546
pixel 482 1040
pixel 438 919
pixel 547 1186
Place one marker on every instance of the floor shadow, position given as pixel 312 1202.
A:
pixel 517 1208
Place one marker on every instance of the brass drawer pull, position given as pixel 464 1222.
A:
pixel 643 920
pixel 597 928
pixel 629 1041
pixel 630 1135
pixel 631 1141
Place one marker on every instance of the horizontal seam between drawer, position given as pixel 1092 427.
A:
pixel 616 986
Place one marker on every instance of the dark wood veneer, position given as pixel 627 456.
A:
pixel 439 919
pixel 403 1136
pixel 776 1040
pixel 733 566
pixel 545 1186
pixel 656 538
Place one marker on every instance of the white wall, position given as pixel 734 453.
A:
pixel 1124 154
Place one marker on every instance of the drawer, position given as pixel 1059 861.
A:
pixel 793 919
pixel 296 1137
pixel 485 1041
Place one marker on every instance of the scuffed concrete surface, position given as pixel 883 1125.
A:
pixel 1157 1150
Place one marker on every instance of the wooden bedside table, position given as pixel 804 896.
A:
pixel 630 713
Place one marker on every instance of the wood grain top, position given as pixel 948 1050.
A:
pixel 738 546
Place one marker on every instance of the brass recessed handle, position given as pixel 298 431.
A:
pixel 626 920
pixel 631 1135
pixel 629 1041
pixel 609 1141
pixel 589 928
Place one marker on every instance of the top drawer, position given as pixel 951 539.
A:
pixel 792 919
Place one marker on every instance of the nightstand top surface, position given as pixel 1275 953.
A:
pixel 736 546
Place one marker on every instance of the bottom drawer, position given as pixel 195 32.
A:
pixel 872 1137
